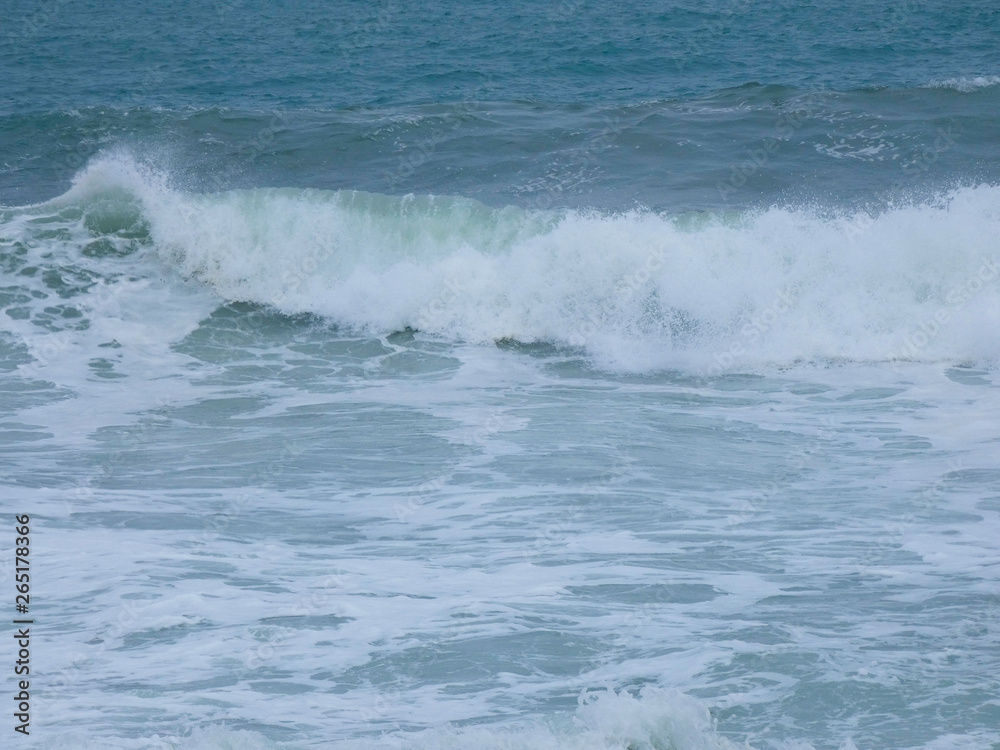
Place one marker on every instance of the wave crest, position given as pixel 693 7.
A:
pixel 636 290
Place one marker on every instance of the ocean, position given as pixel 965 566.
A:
pixel 549 376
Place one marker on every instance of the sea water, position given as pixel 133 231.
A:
pixel 452 375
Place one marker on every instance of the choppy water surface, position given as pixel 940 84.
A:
pixel 522 377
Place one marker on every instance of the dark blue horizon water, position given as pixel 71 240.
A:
pixel 657 104
pixel 252 54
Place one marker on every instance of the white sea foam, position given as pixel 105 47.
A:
pixel 605 720
pixel 636 290
pixel 966 84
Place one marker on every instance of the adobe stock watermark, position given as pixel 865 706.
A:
pixel 429 314
pixel 363 34
pixel 918 166
pixel 899 15
pixel 103 300
pixel 750 506
pixel 39 20
pixel 894 532
pixel 546 191
pixel 497 421
pixel 264 473
pixel 752 332
pixel 699 41
pixel 418 497
pixel 757 157
pixel 416 155
pixel 555 536
pixel 306 267
pixel 627 288
pixel 927 330
pixel 316 602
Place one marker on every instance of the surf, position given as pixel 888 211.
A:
pixel 634 290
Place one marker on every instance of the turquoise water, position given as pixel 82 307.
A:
pixel 542 376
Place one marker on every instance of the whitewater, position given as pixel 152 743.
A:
pixel 699 292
